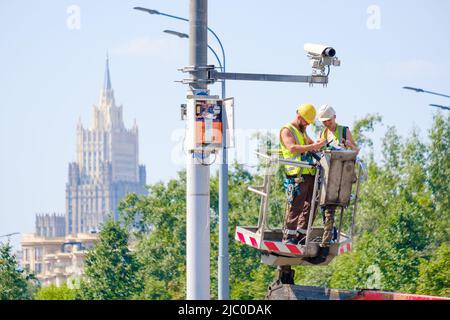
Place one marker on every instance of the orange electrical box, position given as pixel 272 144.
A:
pixel 208 123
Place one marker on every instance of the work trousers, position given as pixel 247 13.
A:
pixel 329 212
pixel 297 213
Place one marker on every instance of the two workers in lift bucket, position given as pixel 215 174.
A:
pixel 299 182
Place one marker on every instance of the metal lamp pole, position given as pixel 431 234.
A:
pixel 9 235
pixel 431 92
pixel 426 91
pixel 223 263
pixel 197 175
pixel 440 106
pixel 186 36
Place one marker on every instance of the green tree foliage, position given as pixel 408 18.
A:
pixel 111 270
pixel 14 284
pixel 438 170
pixel 434 276
pixel 53 292
pixel 161 237
pixel 399 221
pixel 248 277
pixel 362 126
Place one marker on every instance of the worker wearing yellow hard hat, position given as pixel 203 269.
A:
pixel 307 112
pixel 299 182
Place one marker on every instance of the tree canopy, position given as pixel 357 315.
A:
pixel 111 269
pixel 15 284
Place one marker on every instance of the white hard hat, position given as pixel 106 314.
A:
pixel 326 112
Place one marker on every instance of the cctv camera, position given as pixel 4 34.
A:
pixel 319 50
pixel 321 56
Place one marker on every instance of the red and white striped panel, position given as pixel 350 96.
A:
pixel 246 239
pixel 345 247
pixel 380 295
pixel 272 246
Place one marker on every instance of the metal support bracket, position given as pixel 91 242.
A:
pixel 190 81
pixel 284 275
pixel 215 75
pixel 196 68
pixel 193 69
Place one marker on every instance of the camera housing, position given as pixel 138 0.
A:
pixel 321 56
pixel 319 49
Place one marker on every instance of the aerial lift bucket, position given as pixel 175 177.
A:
pixel 332 186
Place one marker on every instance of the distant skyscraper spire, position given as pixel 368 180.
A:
pixel 107 83
pixel 107 94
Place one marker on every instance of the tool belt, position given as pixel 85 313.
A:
pixel 292 187
pixel 298 178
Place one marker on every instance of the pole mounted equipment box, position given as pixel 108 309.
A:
pixel 205 117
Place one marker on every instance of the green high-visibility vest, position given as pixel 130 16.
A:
pixel 300 138
pixel 339 134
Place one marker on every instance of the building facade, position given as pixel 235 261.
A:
pixel 106 168
pixel 50 225
pixel 56 260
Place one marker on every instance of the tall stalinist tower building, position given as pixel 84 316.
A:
pixel 106 167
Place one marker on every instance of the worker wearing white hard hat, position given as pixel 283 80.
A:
pixel 338 137
pixel 335 134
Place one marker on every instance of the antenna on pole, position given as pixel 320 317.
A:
pixel 9 235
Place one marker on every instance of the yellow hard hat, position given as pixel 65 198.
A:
pixel 307 111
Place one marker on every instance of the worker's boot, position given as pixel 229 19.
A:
pixel 301 239
pixel 290 237
pixel 321 256
pixel 291 240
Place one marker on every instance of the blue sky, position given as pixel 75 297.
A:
pixel 50 75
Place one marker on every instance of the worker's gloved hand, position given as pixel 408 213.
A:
pixel 349 144
pixel 319 144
